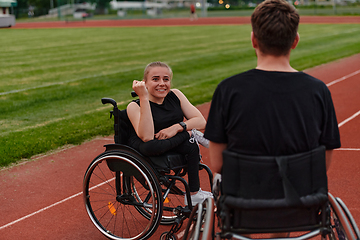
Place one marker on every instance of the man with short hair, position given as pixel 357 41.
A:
pixel 271 110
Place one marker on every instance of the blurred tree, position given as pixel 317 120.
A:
pixel 40 4
pixel 102 4
pixel 22 4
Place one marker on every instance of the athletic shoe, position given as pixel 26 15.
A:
pixel 199 138
pixel 199 197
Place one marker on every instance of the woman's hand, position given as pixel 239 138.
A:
pixel 168 132
pixel 140 89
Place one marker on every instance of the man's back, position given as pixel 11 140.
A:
pixel 272 113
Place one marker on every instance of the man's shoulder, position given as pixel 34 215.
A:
pixel 312 80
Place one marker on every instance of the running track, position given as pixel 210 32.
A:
pixel 175 22
pixel 41 199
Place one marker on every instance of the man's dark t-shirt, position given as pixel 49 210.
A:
pixel 272 113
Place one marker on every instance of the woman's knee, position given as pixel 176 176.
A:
pixel 192 148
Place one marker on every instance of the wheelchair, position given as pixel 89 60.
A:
pixel 127 195
pixel 260 196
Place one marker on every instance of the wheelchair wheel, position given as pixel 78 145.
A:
pixel 200 225
pixel 350 217
pixel 338 231
pixel 342 226
pixel 174 198
pixel 118 188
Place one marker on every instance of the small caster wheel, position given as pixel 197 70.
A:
pixel 165 237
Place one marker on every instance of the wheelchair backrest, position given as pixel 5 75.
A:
pixel 274 194
pixel 124 128
pixel 269 177
pixel 122 124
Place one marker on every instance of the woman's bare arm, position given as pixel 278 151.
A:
pixel 140 116
pixel 194 117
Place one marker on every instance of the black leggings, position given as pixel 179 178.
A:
pixel 180 144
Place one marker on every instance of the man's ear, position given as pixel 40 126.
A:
pixel 254 40
pixel 296 41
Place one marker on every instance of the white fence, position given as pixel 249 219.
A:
pixel 68 9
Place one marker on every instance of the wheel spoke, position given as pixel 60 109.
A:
pixel 122 216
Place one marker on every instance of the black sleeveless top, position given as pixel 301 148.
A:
pixel 166 114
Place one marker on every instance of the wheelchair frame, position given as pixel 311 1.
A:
pixel 337 223
pixel 126 196
pixel 341 224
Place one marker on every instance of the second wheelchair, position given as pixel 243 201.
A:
pixel 267 196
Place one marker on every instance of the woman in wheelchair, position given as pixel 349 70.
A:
pixel 158 121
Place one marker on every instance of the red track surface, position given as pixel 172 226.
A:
pixel 42 199
pixel 175 21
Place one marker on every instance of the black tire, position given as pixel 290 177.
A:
pixel 109 193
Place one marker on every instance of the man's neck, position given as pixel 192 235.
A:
pixel 274 63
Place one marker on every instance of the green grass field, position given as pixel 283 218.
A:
pixel 52 80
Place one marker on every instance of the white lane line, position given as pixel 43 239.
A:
pixel 39 211
pixel 348 149
pixel 340 80
pixel 50 206
pixel 349 119
pixel 31 88
pixel 343 78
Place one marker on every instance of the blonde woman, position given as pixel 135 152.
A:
pixel 159 126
